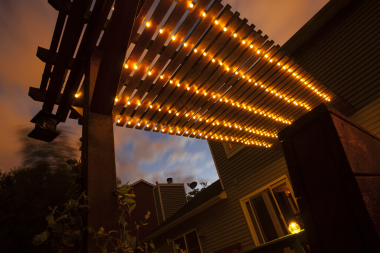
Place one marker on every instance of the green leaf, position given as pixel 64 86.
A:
pixel 84 207
pixel 62 217
pixel 129 201
pixel 147 215
pixel 112 231
pixel 37 240
pixel 104 248
pixel 89 230
pixel 151 244
pixel 56 226
pixel 131 208
pixel 94 241
pixel 44 236
pixel 101 231
pixel 50 217
pixel 121 220
pixel 73 238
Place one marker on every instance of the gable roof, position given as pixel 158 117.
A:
pixel 210 192
pixel 142 181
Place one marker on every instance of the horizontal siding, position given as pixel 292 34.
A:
pixel 224 224
pixel 166 249
pixel 369 117
pixel 158 206
pixel 173 198
pixel 344 54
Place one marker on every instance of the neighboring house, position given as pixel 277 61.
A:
pixel 144 203
pixel 253 201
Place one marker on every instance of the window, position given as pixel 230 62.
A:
pixel 232 148
pixel 189 243
pixel 270 210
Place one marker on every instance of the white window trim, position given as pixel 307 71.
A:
pixel 183 235
pixel 230 152
pixel 261 189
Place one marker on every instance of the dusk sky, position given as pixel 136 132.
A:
pixel 27 24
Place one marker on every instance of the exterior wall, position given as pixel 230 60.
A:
pixel 224 224
pixel 144 202
pixel 344 53
pixel 157 199
pixel 369 117
pixel 173 198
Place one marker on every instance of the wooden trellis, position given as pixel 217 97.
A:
pixel 196 70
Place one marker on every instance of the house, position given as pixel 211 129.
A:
pixel 253 202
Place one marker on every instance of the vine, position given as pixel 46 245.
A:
pixel 66 229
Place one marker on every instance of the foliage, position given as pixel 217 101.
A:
pixel 68 229
pixel 196 191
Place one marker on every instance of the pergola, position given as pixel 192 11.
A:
pixel 189 69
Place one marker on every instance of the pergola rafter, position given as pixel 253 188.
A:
pixel 196 70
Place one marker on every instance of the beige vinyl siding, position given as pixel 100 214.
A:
pixel 369 117
pixel 158 205
pixel 224 224
pixel 344 54
pixel 173 198
pixel 166 248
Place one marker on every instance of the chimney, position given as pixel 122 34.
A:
pixel 169 198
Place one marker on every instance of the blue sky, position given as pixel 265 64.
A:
pixel 27 24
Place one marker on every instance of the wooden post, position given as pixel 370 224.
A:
pixel 98 158
pixel 334 166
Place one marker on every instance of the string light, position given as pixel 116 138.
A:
pixel 204 14
pixel 173 37
pixel 224 29
pixel 147 24
pixel 161 31
pixel 76 95
pixel 126 66
pixel 191 5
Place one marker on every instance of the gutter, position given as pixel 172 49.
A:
pixel 192 213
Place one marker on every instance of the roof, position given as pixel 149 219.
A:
pixel 142 181
pixel 207 194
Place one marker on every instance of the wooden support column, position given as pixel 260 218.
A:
pixel 98 157
pixel 334 166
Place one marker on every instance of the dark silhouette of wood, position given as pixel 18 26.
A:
pixel 334 166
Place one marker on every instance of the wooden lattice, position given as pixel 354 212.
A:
pixel 196 70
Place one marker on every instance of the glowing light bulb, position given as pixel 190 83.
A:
pixel 178 84
pixel 151 106
pixel 159 109
pixel 173 37
pixel 191 5
pixel 205 93
pixel 251 46
pixel 220 63
pixel 224 29
pixel 235 35
pixel 258 51
pixel 204 14
pixel 197 91
pixel 170 111
pixel 195 50
pixel 116 99
pixel 129 102
pixel 270 60
pixel 149 73
pixel 177 114
pixel 147 24
pixel 243 42
pixel 118 121
pixel 216 22
pixel 213 60
pixel 294 228
pixel 228 69
pixel 126 66
pixel 77 95
pixel 185 45
pixel 161 31
pixel 162 77
pixel 204 54
pixel 278 64
pixel 188 88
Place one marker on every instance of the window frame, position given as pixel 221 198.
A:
pixel 230 152
pixel 269 186
pixel 184 238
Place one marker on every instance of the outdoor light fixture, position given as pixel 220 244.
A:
pixel 45 128
pixel 294 228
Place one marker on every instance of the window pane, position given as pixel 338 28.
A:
pixel 254 223
pixel 264 219
pixel 193 243
pixel 286 202
pixel 282 224
pixel 181 242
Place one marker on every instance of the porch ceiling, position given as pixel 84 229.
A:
pixel 192 69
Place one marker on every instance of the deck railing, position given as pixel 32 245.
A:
pixel 292 240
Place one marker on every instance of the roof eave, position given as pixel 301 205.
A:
pixel 199 209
